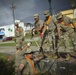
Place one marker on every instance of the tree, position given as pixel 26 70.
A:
pixel 72 4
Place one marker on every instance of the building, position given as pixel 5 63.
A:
pixel 8 30
pixel 69 13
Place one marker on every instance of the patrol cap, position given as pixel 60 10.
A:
pixel 36 15
pixel 59 15
pixel 16 23
pixel 46 13
pixel 28 51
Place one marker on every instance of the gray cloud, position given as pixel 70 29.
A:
pixel 25 9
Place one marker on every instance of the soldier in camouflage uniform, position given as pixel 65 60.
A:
pixel 49 30
pixel 66 22
pixel 19 35
pixel 27 66
pixel 64 25
pixel 38 26
pixel 19 55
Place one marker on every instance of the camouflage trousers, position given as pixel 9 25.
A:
pixel 49 40
pixel 67 36
pixel 20 41
pixel 39 41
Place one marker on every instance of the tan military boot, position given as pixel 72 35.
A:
pixel 55 57
pixel 67 57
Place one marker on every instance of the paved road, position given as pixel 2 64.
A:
pixel 12 49
pixel 27 40
pixel 7 49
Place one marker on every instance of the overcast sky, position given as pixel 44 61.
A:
pixel 25 9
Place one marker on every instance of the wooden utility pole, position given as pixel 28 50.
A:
pixel 73 6
pixel 13 8
pixel 50 7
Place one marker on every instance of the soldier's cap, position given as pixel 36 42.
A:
pixel 46 13
pixel 36 15
pixel 28 51
pixel 16 23
pixel 59 15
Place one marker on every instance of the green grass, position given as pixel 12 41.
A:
pixel 27 36
pixel 8 44
pixel 7 64
pixel 5 56
pixel 14 44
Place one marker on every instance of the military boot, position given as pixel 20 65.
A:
pixel 67 57
pixel 54 55
pixel 75 47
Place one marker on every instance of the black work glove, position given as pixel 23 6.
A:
pixel 74 29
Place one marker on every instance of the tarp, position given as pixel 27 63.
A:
pixel 2 33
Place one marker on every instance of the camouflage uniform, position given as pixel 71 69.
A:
pixel 19 55
pixel 28 68
pixel 50 32
pixel 68 30
pixel 38 24
pixel 19 35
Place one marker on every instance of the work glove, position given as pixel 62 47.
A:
pixel 41 35
pixel 28 44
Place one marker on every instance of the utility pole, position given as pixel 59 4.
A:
pixel 13 8
pixel 73 6
pixel 50 8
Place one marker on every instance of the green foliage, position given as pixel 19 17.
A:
pixel 28 35
pixel 14 44
pixel 6 65
pixel 8 44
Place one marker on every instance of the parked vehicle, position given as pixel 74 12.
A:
pixel 7 39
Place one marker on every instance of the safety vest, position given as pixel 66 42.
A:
pixel 31 62
pixel 48 21
pixel 72 26
pixel 63 23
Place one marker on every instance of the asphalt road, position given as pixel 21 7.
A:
pixel 7 49
pixel 27 40
pixel 12 49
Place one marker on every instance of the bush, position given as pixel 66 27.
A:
pixel 7 64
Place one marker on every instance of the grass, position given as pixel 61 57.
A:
pixel 14 44
pixel 27 36
pixel 7 64
pixel 8 44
